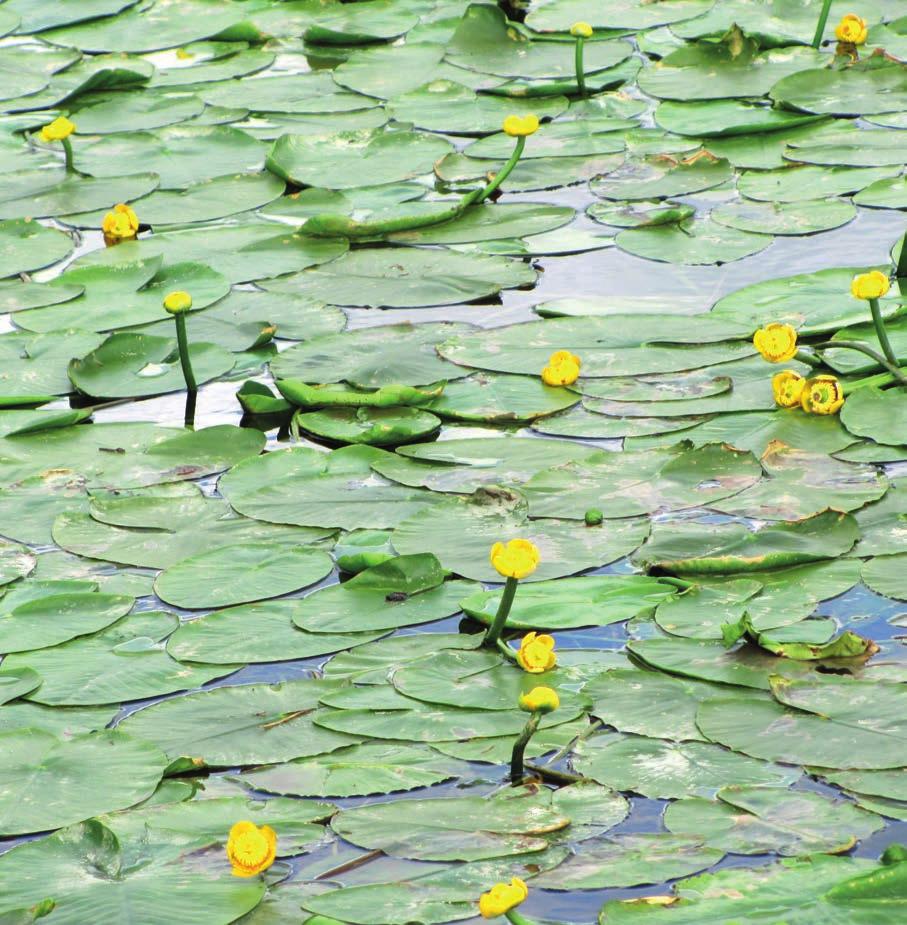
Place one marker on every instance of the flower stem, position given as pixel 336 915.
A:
pixel 881 333
pixel 820 25
pixel 505 650
pixel 879 379
pixel 503 173
pixel 519 748
pixel 808 358
pixel 901 269
pixel 67 153
pixel 500 618
pixel 580 70
pixel 560 777
pixel 515 918
pixel 183 343
pixel 895 371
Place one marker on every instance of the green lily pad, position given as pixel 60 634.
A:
pixel 349 159
pixel 695 241
pixel 16 682
pixel 411 278
pixel 121 662
pixel 567 603
pixel 124 294
pixel 239 574
pixel 15 561
pixel 798 182
pixel 95 876
pixel 389 70
pixel 403 591
pixel 885 575
pixel 135 365
pixel 864 89
pixel 731 547
pixel 735 67
pixel 38 615
pixel 629 860
pixel 368 358
pixel 371 426
pixel 628 484
pixel 157 532
pixel 460 531
pixel 876 414
pixel 27 245
pixel 489 222
pixel 795 218
pixel 448 106
pixel 671 770
pixel 838 738
pixel 884 194
pixel 58 782
pixel 660 178
pixel 135 112
pixel 559 15
pixel 44 193
pixel 360 770
pixel 467 829
pixel 245 725
pixel 483 42
pixel 305 487
pixel 602 135
pixel 755 820
pixel 725 117
pixel 168 24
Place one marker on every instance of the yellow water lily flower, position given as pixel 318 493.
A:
pixel 871 285
pixel 562 369
pixel 251 849
pixel 177 302
pixel 776 342
pixel 581 30
pixel 57 130
pixel 120 224
pixel 540 700
pixel 520 126
pixel 502 897
pixel 536 653
pixel 822 395
pixel 852 29
pixel 787 387
pixel 518 559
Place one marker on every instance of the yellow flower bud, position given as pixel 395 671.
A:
pixel 562 369
pixel 177 302
pixel 120 224
pixel 540 700
pixel 536 653
pixel 518 559
pixel 57 130
pixel 502 897
pixel 787 387
pixel 852 29
pixel 251 849
pixel 822 395
pixel 581 30
pixel 520 126
pixel 776 342
pixel 871 285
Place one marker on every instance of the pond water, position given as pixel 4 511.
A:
pixel 117 503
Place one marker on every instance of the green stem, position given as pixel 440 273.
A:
pixel 881 333
pixel 895 371
pixel 504 172
pixel 820 25
pixel 500 618
pixel 580 70
pixel 67 153
pixel 519 748
pixel 808 358
pixel 559 777
pixel 562 753
pixel 516 919
pixel 878 379
pixel 901 269
pixel 676 582
pixel 505 650
pixel 183 343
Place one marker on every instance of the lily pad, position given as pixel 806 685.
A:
pixel 27 245
pixel 238 574
pixel 58 782
pixel 865 89
pixel 874 413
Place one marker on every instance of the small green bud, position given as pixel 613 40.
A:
pixel 593 517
